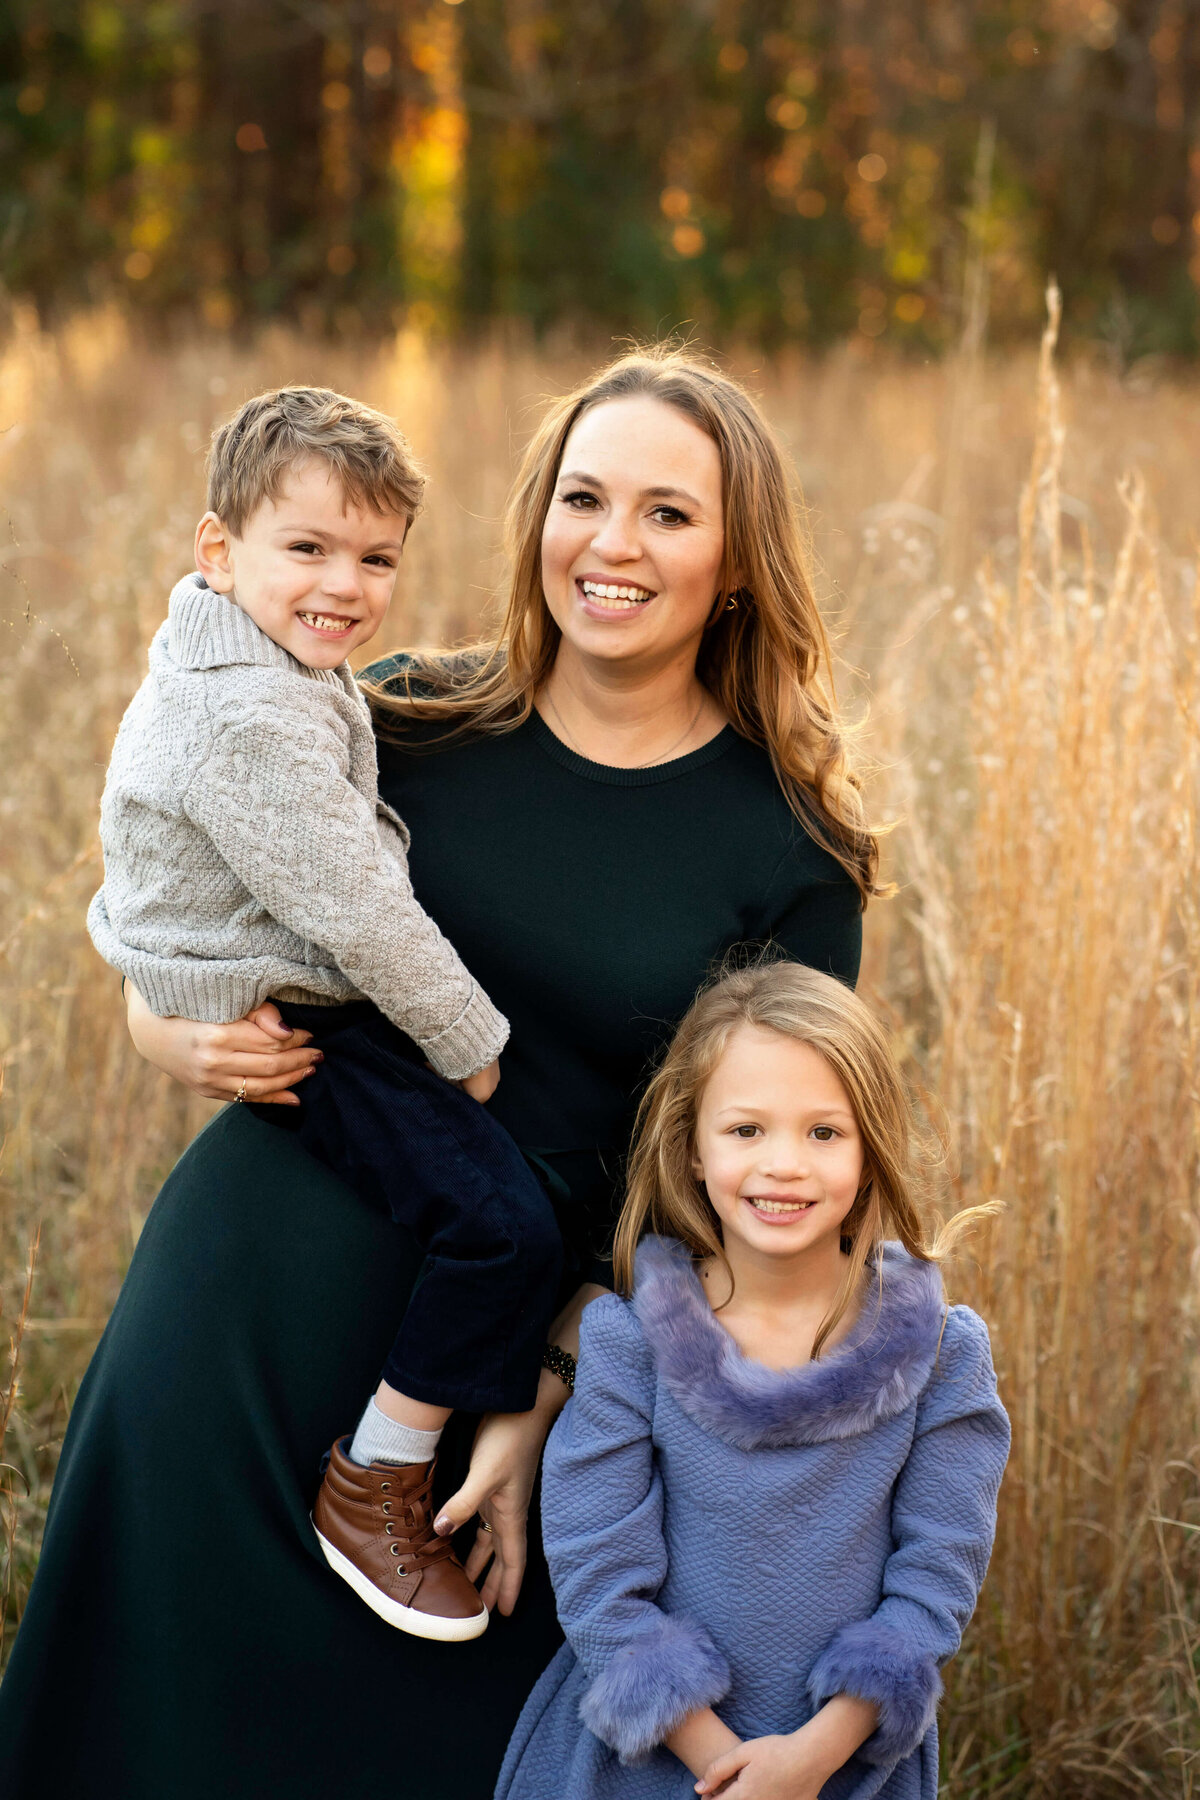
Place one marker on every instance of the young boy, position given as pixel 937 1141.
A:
pixel 248 857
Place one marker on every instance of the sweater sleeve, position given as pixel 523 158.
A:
pixel 943 1524
pixel 603 1523
pixel 304 841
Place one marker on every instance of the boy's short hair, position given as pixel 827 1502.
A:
pixel 253 452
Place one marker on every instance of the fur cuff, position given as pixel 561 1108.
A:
pixel 670 1669
pixel 873 1662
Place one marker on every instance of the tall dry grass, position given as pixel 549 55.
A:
pixel 1022 615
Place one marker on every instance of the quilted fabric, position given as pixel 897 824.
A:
pixel 758 1540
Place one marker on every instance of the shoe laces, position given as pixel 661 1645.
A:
pixel 409 1515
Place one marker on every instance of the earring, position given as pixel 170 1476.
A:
pixel 731 603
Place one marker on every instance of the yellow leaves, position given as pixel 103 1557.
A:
pixel 151 149
pixel 908 264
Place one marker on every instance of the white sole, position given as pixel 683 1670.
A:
pixel 404 1618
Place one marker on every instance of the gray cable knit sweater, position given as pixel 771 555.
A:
pixel 248 856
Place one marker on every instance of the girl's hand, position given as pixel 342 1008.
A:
pixel 794 1767
pixel 213 1060
pixel 766 1768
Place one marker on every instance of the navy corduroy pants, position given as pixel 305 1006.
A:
pixel 373 1112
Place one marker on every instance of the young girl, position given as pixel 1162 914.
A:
pixel 770 1505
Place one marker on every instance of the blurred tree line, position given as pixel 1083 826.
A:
pixel 775 169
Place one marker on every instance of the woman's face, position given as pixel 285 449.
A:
pixel 634 541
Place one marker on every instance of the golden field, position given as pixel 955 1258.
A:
pixel 1011 573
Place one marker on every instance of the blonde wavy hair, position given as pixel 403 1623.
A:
pixel 766 661
pixel 664 1195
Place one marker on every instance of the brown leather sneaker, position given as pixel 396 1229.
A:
pixel 375 1526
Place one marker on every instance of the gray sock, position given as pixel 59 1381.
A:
pixel 380 1439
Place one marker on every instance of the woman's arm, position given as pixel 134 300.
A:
pixel 213 1060
pixel 504 1462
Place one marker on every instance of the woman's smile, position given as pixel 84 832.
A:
pixel 602 597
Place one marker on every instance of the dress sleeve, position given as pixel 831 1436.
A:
pixel 943 1524
pixel 814 911
pixel 603 1523
pixel 305 843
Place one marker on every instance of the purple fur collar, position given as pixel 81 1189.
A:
pixel 878 1370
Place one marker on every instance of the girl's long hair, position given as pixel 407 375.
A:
pixel 664 1195
pixel 766 661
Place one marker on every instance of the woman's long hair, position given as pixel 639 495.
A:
pixel 766 661
pixel 664 1195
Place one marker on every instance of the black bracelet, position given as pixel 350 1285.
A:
pixel 560 1363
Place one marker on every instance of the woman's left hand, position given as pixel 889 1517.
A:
pixel 504 1465
pixel 498 1486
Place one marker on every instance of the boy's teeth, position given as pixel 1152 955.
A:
pixel 325 622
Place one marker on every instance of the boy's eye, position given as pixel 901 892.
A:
pixel 380 561
pixel 309 549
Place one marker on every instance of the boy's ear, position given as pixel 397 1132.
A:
pixel 213 541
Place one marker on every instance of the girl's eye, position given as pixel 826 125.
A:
pixel 581 500
pixel 824 1134
pixel 745 1131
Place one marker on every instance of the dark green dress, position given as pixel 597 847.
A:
pixel 183 1639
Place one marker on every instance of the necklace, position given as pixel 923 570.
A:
pixel 662 757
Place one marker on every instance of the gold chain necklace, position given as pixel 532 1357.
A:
pixel 662 757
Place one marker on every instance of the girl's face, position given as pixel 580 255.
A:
pixel 634 541
pixel 777 1146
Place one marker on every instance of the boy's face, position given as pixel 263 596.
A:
pixel 314 572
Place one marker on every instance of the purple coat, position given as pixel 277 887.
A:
pixel 757 1540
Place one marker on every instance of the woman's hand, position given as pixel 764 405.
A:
pixel 795 1767
pixel 213 1060
pixel 504 1463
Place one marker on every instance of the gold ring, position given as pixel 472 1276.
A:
pixel 241 1093
pixel 484 1526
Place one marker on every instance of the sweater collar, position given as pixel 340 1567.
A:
pixel 877 1370
pixel 207 631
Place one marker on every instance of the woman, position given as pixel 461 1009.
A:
pixel 642 771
